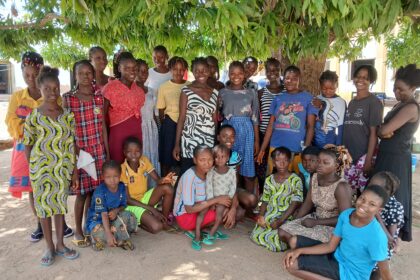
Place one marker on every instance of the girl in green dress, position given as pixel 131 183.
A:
pixel 282 195
pixel 49 148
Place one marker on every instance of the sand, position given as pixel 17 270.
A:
pixel 162 256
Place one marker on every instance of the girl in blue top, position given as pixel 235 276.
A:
pixel 357 244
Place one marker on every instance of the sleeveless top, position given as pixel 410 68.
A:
pixel 323 198
pixel 199 127
pixel 400 142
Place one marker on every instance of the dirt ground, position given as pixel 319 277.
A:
pixel 162 256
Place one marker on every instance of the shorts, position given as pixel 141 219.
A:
pixel 325 265
pixel 187 221
pixel 138 211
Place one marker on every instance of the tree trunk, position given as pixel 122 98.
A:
pixel 311 71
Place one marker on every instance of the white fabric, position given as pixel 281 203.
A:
pixel 87 163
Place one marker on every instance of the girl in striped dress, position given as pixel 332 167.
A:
pixel 281 197
pixel 197 115
pixel 91 136
pixel 241 110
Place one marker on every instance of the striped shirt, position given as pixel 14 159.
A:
pixel 265 103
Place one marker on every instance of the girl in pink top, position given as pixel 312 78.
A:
pixel 123 100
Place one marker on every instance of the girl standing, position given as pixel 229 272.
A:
pixel 213 80
pixel 97 56
pixel 396 134
pixel 168 105
pixel 148 125
pixel 160 73
pixel 363 117
pixel 241 110
pixel 123 100
pixel 197 115
pixel 281 197
pixel 91 137
pixel 20 106
pixel 49 141
pixel 251 66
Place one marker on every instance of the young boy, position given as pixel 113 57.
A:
pixel 308 166
pixel 142 202
pixel 107 221
pixel 357 244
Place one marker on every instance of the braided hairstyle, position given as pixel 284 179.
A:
pixel 341 154
pixel 48 73
pixel 391 181
pixel 119 57
pixel 409 74
pixel 32 59
pixel 177 59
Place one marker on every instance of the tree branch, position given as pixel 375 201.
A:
pixel 48 17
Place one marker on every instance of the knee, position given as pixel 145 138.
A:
pixel 168 190
pixel 156 227
pixel 292 242
pixel 283 235
pixel 253 201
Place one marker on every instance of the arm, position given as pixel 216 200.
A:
pixel 107 227
pixel 161 115
pixel 28 149
pixel 256 140
pixel 407 114
pixel 384 270
pixel 307 205
pixel 267 138
pixel 283 218
pixel 230 218
pixel 198 207
pixel 310 129
pixel 106 111
pixel 180 126
pixel 373 141
pixel 13 122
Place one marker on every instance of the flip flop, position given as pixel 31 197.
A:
pixel 98 246
pixel 48 258
pixel 127 245
pixel 209 240
pixel 190 234
pixel 68 253
pixel 81 243
pixel 221 236
pixel 196 245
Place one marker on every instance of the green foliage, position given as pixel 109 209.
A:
pixel 403 48
pixel 228 29
pixel 63 52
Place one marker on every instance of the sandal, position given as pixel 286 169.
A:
pixel 127 245
pixel 190 234
pixel 68 253
pixel 98 246
pixel 209 240
pixel 196 245
pixel 221 236
pixel 82 243
pixel 48 258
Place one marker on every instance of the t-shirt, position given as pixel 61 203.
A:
pixel 220 184
pixel 361 115
pixel 240 103
pixel 191 189
pixel 103 200
pixel 290 112
pixel 156 79
pixel 136 181
pixel 168 98
pixel 360 247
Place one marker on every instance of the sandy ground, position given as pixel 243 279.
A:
pixel 162 256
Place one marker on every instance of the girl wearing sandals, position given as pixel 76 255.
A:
pixel 107 221
pixel 49 148
pixel 191 208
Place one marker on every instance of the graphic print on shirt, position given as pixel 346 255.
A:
pixel 287 119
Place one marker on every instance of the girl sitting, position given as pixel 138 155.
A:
pixel 191 207
pixel 107 221
pixel 329 195
pixel 281 197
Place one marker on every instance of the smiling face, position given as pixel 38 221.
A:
pixel 236 76
pixel 201 73
pixel 203 161
pixel 159 58
pixel 291 82
pixel 50 90
pixel 403 92
pixel 368 204
pixel 128 70
pixel 272 72
pixel 250 69
pixel 328 88
pixel 111 178
pixel 99 60
pixel 226 137
pixel 142 73
pixel 178 71
pixel 361 80
pixel 84 75
pixel 132 153
pixel 326 164
pixel 30 73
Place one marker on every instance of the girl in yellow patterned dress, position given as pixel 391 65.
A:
pixel 49 141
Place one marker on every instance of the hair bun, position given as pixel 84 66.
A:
pixel 50 71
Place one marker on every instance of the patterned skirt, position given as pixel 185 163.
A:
pixel 268 238
pixel 19 178
pixel 244 143
pixel 318 232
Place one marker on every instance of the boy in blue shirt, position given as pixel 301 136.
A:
pixel 357 244
pixel 107 220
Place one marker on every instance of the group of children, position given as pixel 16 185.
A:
pixel 144 126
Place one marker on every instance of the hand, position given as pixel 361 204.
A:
pixel 112 215
pixel 389 135
pixel 158 215
pixel 317 103
pixel 275 224
pixel 176 153
pixel 256 148
pixel 167 179
pixel 391 242
pixel 261 221
pixel 290 258
pixel 367 167
pixel 75 180
pixel 229 219
pixel 260 156
pixel 224 200
pixel 309 223
pixel 110 239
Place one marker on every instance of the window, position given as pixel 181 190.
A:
pixel 357 63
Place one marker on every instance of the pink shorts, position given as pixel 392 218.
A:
pixel 187 221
